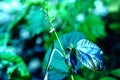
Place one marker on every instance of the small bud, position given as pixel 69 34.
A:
pixel 52 29
pixel 52 19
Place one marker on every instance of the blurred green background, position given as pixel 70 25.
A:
pixel 25 37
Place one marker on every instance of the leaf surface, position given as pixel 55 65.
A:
pixel 116 72
pixel 90 55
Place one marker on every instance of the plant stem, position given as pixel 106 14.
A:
pixel 60 43
pixel 50 22
pixel 58 39
pixel 72 78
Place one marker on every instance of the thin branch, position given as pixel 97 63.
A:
pixel 50 60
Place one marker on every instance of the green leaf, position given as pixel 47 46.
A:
pixel 9 55
pixel 116 72
pixel 93 27
pixel 36 24
pixel 18 17
pixel 78 77
pixel 90 55
pixel 72 37
pixel 115 27
pixel 113 6
pixel 108 78
pixel 2 39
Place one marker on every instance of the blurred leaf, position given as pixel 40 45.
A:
pixel 2 39
pixel 36 24
pixel 92 75
pixel 113 6
pixel 107 78
pixel 18 17
pixel 116 72
pixel 90 55
pixel 78 77
pixel 93 27
pixel 11 57
pixel 115 27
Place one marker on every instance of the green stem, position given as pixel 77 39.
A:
pixel 60 43
pixel 50 22
pixel 58 38
pixel 72 78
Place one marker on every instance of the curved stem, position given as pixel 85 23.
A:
pixel 50 60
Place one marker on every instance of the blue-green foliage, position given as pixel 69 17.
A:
pixel 61 68
pixel 22 21
pixel 90 55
